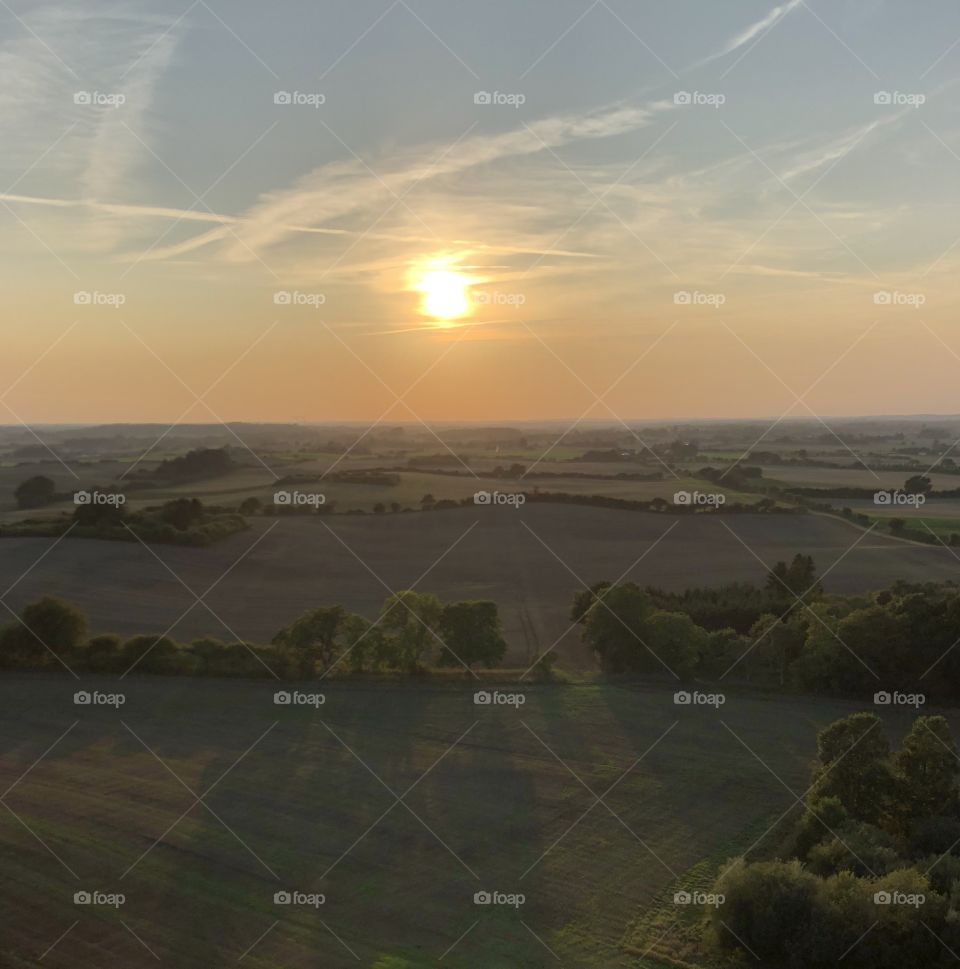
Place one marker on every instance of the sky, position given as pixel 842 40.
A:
pixel 444 210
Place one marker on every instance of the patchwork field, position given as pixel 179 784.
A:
pixel 300 799
pixel 530 561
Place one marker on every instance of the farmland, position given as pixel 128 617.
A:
pixel 530 561
pixel 494 799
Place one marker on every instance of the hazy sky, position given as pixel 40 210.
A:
pixel 587 229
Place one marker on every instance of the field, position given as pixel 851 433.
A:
pixel 530 561
pixel 495 799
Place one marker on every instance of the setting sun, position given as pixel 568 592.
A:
pixel 444 294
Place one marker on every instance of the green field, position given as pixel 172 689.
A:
pixel 500 799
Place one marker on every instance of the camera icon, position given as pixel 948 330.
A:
pixel 483 698
pixel 882 898
pixel 883 97
pixel 482 898
pixel 82 97
pixel 282 898
pixel 82 298
pixel 282 698
pixel 683 298
pixel 682 898
pixel 82 498
pixel 883 298
pixel 882 498
pixel 682 498
pixel 283 298
pixel 82 698
pixel 82 898
pixel 682 698
pixel 683 97
pixel 482 498
pixel 483 97
pixel 882 699
pixel 283 498
pixel 282 97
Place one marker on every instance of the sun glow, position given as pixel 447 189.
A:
pixel 444 294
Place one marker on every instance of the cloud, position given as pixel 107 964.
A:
pixel 752 32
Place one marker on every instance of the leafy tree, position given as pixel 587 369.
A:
pixel 427 502
pixel 614 628
pixel 583 600
pixel 313 638
pixel 56 624
pixel 919 484
pixel 472 633
pixel 408 626
pixel 182 512
pixel 250 506
pixel 35 492
pixel 799 577
pixel 102 654
pixel 927 769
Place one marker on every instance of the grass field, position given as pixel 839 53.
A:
pixel 530 561
pixel 300 799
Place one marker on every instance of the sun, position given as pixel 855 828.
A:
pixel 444 294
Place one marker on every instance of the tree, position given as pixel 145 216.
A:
pixel 409 624
pixel 427 502
pixel 379 508
pixel 799 577
pixel 35 492
pixel 312 638
pixel 583 600
pixel 919 484
pixel 471 633
pixel 250 506
pixel 182 512
pixel 855 767
pixel 614 628
pixel 927 769
pixel 55 624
